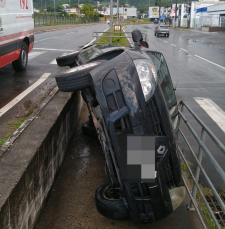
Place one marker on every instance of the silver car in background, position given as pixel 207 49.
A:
pixel 162 30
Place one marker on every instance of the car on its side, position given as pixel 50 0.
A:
pixel 162 30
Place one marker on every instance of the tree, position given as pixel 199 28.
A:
pixel 50 9
pixel 88 10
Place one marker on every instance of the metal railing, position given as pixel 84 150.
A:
pixel 198 159
pixel 107 34
pixel 47 19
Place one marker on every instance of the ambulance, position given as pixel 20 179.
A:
pixel 16 32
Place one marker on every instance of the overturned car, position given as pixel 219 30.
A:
pixel 131 99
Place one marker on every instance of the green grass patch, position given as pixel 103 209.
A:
pixel 118 38
pixel 207 192
pixel 30 112
pixel 16 125
pixel 2 142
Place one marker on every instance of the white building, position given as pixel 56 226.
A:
pixel 125 12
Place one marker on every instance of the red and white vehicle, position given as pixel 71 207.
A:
pixel 16 32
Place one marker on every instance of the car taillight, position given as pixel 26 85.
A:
pixel 158 29
pixel 168 30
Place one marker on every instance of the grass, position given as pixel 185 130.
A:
pixel 14 126
pixel 207 192
pixel 117 39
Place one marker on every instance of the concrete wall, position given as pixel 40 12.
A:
pixel 28 168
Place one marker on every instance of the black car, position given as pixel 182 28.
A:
pixel 129 92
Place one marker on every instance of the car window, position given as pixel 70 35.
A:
pixel 163 27
pixel 89 53
pixel 166 85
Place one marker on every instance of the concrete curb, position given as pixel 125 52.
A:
pixel 29 167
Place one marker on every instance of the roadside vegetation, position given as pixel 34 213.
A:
pixel 13 126
pixel 210 199
pixel 119 38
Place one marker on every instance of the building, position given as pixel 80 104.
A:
pixel 124 12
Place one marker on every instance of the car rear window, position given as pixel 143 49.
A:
pixel 163 27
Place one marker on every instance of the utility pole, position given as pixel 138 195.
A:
pixel 159 10
pixel 111 21
pixel 176 15
pixel 188 14
pixel 117 18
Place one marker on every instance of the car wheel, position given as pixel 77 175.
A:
pixel 68 59
pixel 155 34
pixel 76 78
pixel 21 63
pixel 168 35
pixel 108 205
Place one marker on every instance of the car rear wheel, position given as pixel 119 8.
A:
pixel 76 78
pixel 110 203
pixel 21 63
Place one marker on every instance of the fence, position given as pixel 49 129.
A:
pixel 45 19
pixel 217 208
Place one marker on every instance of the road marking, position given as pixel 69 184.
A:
pixel 184 50
pixel 210 62
pixel 165 41
pixel 33 54
pixel 8 106
pixel 53 62
pixel 173 45
pixel 70 33
pixel 95 38
pixel 46 39
pixel 63 50
pixel 213 110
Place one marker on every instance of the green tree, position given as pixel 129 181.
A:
pixel 50 9
pixel 88 11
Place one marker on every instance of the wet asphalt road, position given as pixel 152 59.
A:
pixel 71 204
pixel 41 60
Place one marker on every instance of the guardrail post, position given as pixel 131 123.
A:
pixel 97 37
pixel 197 172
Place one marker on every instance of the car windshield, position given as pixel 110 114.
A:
pixel 166 85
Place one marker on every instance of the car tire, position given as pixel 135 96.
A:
pixel 168 35
pixel 68 59
pixel 76 78
pixel 21 63
pixel 155 34
pixel 110 207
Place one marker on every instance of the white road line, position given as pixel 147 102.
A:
pixel 165 41
pixel 213 110
pixel 184 50
pixel 70 33
pixel 130 42
pixel 95 38
pixel 210 62
pixel 53 62
pixel 61 50
pixel 46 39
pixel 173 45
pixel 33 54
pixel 8 106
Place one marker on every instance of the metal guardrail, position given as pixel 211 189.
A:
pixel 127 35
pixel 202 148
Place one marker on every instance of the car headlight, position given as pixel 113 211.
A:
pixel 147 76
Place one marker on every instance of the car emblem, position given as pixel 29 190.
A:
pixel 161 150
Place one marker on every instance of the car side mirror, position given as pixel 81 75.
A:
pixel 137 37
